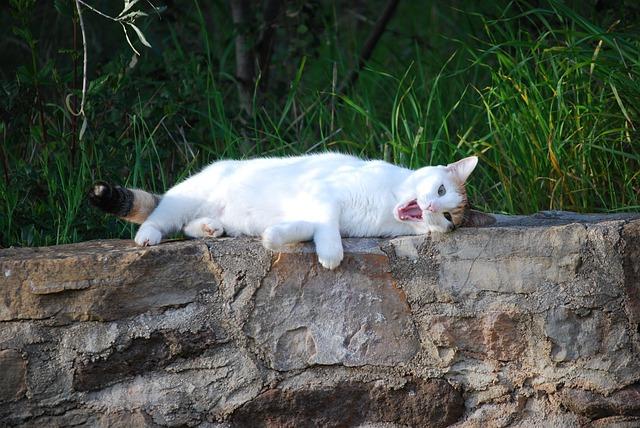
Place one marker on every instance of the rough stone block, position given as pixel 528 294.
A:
pixel 139 356
pixel 306 315
pixel 13 370
pixel 418 403
pixel 100 280
pixel 510 260
pixel 531 322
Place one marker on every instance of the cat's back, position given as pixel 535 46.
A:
pixel 328 172
pixel 305 162
pixel 290 166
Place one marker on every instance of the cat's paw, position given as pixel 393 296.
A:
pixel 441 228
pixel 204 227
pixel 273 238
pixel 148 235
pixel 330 256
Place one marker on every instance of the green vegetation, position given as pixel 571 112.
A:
pixel 546 95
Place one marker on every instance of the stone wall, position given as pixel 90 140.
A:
pixel 533 322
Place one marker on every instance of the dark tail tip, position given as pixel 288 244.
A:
pixel 111 199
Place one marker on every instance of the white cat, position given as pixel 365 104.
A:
pixel 320 197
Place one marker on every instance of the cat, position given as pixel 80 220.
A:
pixel 319 197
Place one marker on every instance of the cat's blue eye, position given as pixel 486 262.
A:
pixel 448 217
pixel 441 190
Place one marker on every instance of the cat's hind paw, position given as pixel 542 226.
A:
pixel 148 235
pixel 204 227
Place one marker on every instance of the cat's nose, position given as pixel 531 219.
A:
pixel 431 207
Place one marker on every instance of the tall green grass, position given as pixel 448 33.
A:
pixel 546 97
pixel 562 113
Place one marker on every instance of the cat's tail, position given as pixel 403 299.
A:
pixel 132 205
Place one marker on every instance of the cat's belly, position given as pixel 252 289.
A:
pixel 251 220
pixel 355 227
pixel 247 222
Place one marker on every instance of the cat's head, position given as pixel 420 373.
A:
pixel 435 198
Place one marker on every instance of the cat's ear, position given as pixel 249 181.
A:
pixel 463 168
pixel 474 218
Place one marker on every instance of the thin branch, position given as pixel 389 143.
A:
pixel 95 10
pixel 370 44
pixel 245 70
pixel 5 159
pixel 266 40
pixel 367 50
pixel 84 61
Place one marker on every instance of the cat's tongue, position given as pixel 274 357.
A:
pixel 410 211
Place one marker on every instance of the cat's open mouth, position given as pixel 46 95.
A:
pixel 410 211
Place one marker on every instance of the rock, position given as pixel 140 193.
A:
pixel 419 403
pixel 631 265
pixel 101 280
pixel 306 315
pixel 616 422
pixel 138 356
pixel 624 402
pixel 503 338
pixel 572 335
pixel 510 260
pixel 531 322
pixel 84 417
pixel 13 370
pixel 186 392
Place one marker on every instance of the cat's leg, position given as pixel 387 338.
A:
pixel 167 218
pixel 328 244
pixel 203 227
pixel 274 237
pixel 326 236
pixel 148 234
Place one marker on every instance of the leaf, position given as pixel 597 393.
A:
pixel 62 7
pixel 128 39
pixel 83 128
pixel 619 101
pixel 132 16
pixel 128 4
pixel 67 103
pixel 140 35
pixel 97 84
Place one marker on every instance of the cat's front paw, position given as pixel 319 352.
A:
pixel 441 229
pixel 272 238
pixel 148 235
pixel 330 257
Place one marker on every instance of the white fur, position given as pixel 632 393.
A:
pixel 320 197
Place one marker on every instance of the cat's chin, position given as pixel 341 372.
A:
pixel 409 211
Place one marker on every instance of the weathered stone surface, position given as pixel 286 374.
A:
pixel 523 260
pixel 138 356
pixel 187 392
pixel 502 336
pixel 13 369
pixel 531 322
pixel 573 334
pixel 89 418
pixel 625 402
pixel 631 265
pixel 418 403
pixel 307 315
pixel 100 280
pixel 616 422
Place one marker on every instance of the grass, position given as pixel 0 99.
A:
pixel 547 97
